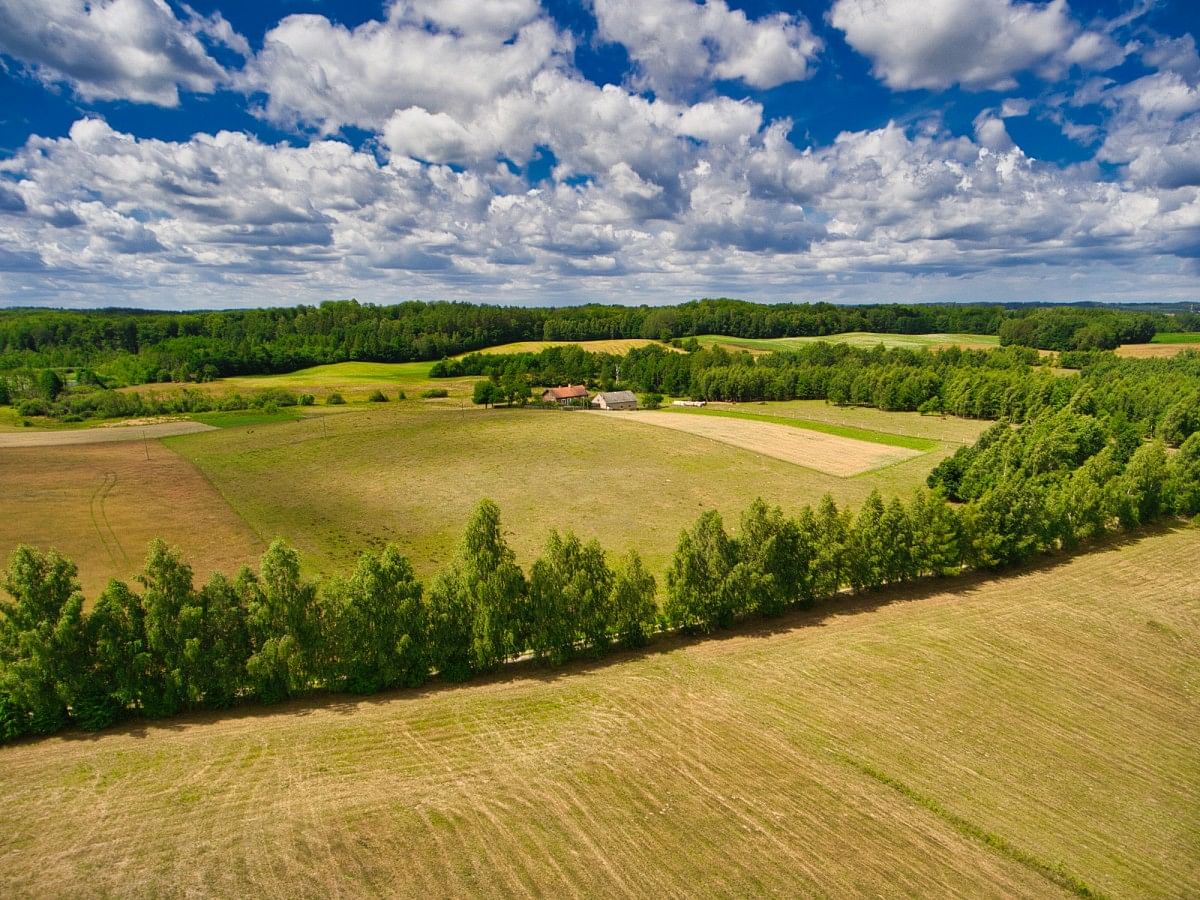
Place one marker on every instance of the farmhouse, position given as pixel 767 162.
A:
pixel 565 396
pixel 615 400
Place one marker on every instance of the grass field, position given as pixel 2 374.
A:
pixel 615 345
pixel 855 339
pixel 101 505
pixel 999 738
pixel 845 431
pixel 411 475
pixel 1176 337
pixel 1161 348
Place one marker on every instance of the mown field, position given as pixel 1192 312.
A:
pixel 409 474
pixel 1007 737
pixel 856 339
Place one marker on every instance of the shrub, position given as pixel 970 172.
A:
pixel 652 401
pixel 32 408
pixel 307 399
pixel 378 396
pixel 435 392
pixel 335 399
pixel 402 396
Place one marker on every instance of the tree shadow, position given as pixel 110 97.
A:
pixel 527 670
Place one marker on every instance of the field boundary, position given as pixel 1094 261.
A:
pixel 888 439
pixel 1055 873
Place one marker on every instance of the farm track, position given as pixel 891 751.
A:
pixel 1053 710
pixel 108 537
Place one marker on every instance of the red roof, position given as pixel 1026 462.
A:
pixel 570 392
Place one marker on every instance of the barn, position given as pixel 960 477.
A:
pixel 570 395
pixel 615 400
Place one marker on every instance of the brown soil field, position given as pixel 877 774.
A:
pixel 828 453
pixel 1149 351
pixel 974 738
pixel 100 504
pixel 99 435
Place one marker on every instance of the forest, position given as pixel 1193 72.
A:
pixel 125 347
pixel 162 646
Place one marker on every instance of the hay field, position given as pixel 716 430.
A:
pixel 1158 349
pixel 412 474
pixel 855 339
pixel 827 453
pixel 101 504
pixel 613 345
pixel 991 739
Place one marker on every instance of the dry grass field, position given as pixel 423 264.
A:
pixel 1149 351
pixel 102 503
pixel 827 453
pixel 992 738
pixel 614 345
pixel 855 339
pixel 411 475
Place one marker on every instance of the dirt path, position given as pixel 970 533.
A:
pixel 101 435
pixel 826 453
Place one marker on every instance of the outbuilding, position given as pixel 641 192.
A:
pixel 571 395
pixel 615 400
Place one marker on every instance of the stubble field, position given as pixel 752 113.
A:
pixel 1015 737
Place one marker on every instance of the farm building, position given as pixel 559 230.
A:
pixel 566 396
pixel 615 400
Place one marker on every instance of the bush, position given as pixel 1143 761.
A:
pixel 402 396
pixel 652 401
pixel 72 417
pixel 434 392
pixel 378 396
pixel 307 399
pixel 32 408
pixel 335 399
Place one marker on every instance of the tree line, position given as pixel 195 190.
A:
pixel 164 645
pixel 137 347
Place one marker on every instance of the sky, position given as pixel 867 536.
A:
pixel 219 154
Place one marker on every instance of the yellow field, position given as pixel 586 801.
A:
pixel 1148 351
pixel 990 740
pixel 101 504
pixel 614 345
pixel 827 453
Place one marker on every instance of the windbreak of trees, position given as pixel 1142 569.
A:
pixel 133 347
pixel 165 645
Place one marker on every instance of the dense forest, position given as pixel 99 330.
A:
pixel 1154 397
pixel 165 646
pixel 132 347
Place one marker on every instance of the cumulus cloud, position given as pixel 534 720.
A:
pixel 116 49
pixel 679 44
pixel 979 44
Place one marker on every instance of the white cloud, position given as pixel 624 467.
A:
pixel 980 44
pixel 115 49
pixel 679 44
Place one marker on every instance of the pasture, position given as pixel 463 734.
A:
pixel 410 474
pixel 1006 737
pixel 854 339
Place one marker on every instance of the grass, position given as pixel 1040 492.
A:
pixel 854 338
pixel 846 431
pixel 411 474
pixel 247 417
pixel 1031 735
pixel 1176 337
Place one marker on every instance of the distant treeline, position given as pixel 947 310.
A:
pixel 166 646
pixel 131 347
pixel 1156 397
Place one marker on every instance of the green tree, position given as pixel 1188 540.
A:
pixel 283 623
pixel 381 624
pixel 935 543
pixel 120 662
pixel 220 674
pixel 705 586
pixel 867 545
pixel 485 394
pixel 1185 477
pixel 832 547
pixel 776 558
pixel 42 642
pixel 1143 488
pixel 49 384
pixel 173 620
pixel 633 607
pixel 570 591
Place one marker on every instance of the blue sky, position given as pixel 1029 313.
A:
pixel 215 154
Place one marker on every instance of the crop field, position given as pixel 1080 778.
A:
pixel 1005 737
pixel 1161 348
pixel 411 474
pixel 615 345
pixel 101 504
pixel 855 339
pixel 832 454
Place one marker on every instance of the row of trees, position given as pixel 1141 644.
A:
pixel 134 347
pixel 167 646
